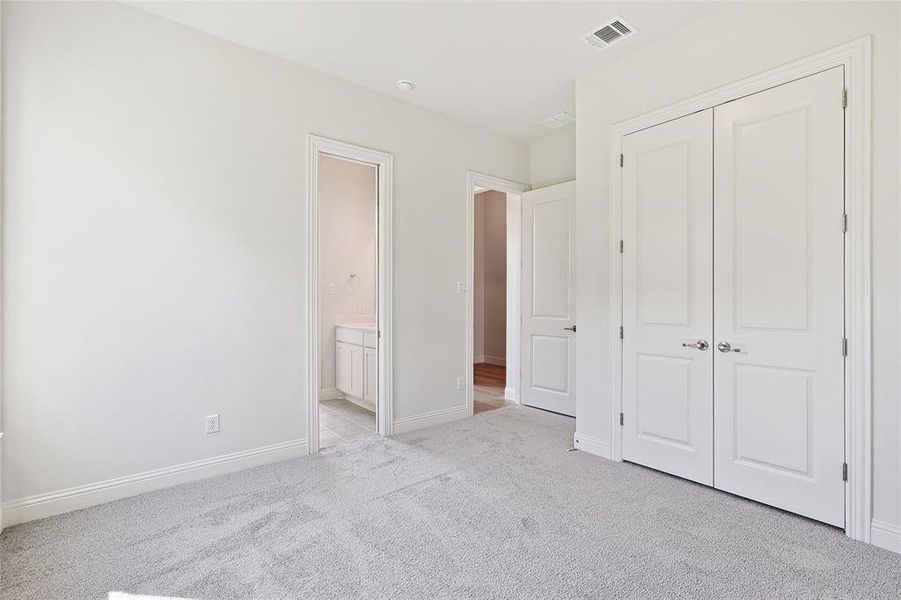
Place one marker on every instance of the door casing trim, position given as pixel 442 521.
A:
pixel 856 58
pixel 384 162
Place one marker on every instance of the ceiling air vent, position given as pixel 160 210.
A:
pixel 607 34
pixel 559 120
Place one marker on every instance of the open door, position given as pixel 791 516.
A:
pixel 548 299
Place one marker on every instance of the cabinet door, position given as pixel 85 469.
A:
pixel 356 371
pixel 370 374
pixel 343 367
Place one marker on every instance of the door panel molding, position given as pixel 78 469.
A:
pixel 856 58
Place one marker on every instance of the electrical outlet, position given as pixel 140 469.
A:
pixel 212 423
pixel 461 382
pixel 332 290
pixel 461 287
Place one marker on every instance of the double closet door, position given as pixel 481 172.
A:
pixel 733 297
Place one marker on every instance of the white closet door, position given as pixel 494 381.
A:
pixel 667 297
pixel 778 299
pixel 548 299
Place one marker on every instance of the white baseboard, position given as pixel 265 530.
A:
pixel 370 406
pixel 429 419
pixel 510 394
pixel 330 394
pixel 500 361
pixel 885 536
pixel 592 445
pixel 83 496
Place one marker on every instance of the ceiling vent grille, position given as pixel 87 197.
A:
pixel 608 34
pixel 561 119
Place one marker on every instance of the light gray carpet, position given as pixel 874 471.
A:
pixel 490 507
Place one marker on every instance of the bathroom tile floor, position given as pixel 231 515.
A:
pixel 342 421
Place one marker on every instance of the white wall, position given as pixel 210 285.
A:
pixel 348 224
pixel 154 249
pixel 553 159
pixel 490 262
pixel 721 49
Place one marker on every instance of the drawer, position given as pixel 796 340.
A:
pixel 349 336
pixel 370 340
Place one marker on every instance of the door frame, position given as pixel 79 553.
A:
pixel 384 162
pixel 514 249
pixel 856 58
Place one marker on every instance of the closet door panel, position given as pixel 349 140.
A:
pixel 778 298
pixel 667 297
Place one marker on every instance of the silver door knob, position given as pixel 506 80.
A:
pixel 700 345
pixel 727 347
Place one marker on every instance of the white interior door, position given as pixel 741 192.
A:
pixel 778 297
pixel 548 299
pixel 667 419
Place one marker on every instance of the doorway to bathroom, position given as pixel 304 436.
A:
pixel 348 294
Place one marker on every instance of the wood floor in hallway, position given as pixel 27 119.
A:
pixel 489 382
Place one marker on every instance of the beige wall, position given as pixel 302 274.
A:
pixel 348 222
pixel 490 294
pixel 553 159
pixel 154 249
pixel 721 49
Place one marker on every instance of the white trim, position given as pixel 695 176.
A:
pixel 591 445
pixel 856 58
pixel 2 516
pixel 83 496
pixel 473 180
pixel 330 394
pixel 2 278
pixel 436 417
pixel 491 360
pixel 885 536
pixel 514 293
pixel 362 403
pixel 317 145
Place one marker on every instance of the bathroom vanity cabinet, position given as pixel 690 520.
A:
pixel 356 363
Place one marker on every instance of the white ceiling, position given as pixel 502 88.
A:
pixel 501 66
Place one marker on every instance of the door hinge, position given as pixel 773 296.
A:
pixel 379 334
pixel 620 418
pixel 844 346
pixel 845 98
pixel 844 222
pixel 621 160
pixel 620 332
pixel 844 471
pixel 621 246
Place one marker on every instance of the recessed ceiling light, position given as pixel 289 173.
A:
pixel 405 85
